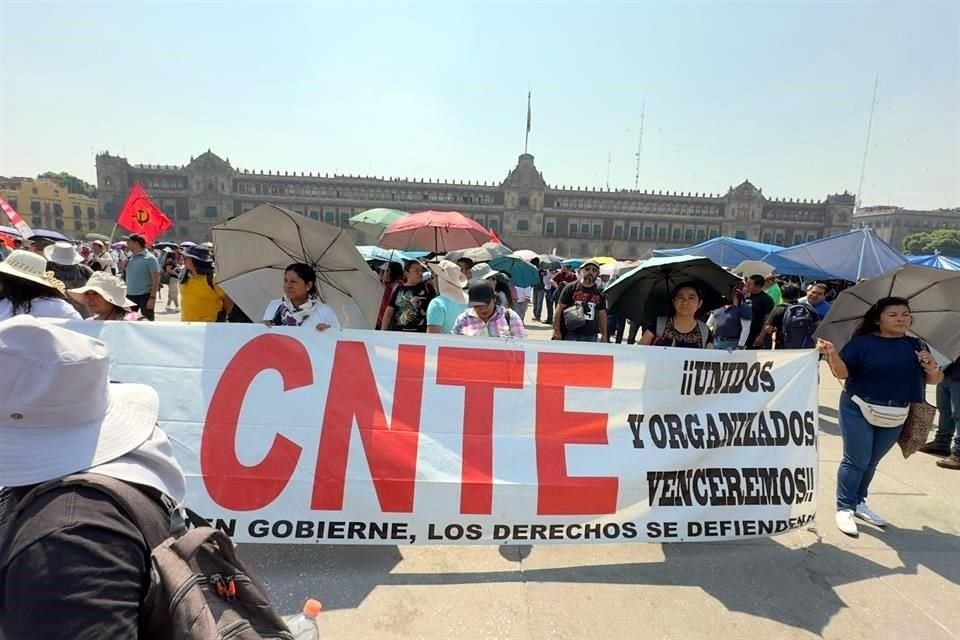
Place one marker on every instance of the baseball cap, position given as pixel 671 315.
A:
pixel 480 293
pixel 590 263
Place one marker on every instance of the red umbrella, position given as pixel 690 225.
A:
pixel 435 231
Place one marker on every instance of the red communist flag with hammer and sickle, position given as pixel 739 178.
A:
pixel 140 215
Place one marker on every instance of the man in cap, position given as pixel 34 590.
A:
pixel 74 559
pixel 487 318
pixel 586 303
pixel 143 276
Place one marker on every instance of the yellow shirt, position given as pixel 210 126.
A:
pixel 198 302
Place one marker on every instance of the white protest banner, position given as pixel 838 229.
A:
pixel 361 437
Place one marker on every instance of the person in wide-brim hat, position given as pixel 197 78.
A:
pixel 64 426
pixel 26 287
pixel 105 296
pixel 442 312
pixel 62 253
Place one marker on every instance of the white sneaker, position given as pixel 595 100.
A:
pixel 847 523
pixel 867 514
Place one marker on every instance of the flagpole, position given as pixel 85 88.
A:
pixel 526 137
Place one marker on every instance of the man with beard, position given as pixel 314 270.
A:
pixel 582 308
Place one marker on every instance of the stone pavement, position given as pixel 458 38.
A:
pixel 903 582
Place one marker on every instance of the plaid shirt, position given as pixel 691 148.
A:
pixel 502 324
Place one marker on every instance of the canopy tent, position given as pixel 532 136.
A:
pixel 725 251
pixel 937 261
pixel 852 256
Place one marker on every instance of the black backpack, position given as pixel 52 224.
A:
pixel 199 589
pixel 798 326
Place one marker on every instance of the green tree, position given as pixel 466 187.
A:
pixel 946 241
pixel 72 183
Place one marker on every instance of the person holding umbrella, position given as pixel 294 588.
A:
pixel 300 304
pixel 201 300
pixel 682 329
pixel 884 371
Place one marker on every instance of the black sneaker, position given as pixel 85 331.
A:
pixel 935 449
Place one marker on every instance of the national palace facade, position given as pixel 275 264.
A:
pixel 523 209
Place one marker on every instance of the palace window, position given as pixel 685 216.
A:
pixel 210 212
pixel 597 229
pixel 315 215
pixel 329 217
pixel 523 225
pixel 647 233
pixel 688 234
pixel 634 233
pixel 77 211
pixel 551 228
pixel 494 225
pixel 662 233
pixel 524 202
pixel 57 210
pixel 573 228
pixel 701 235
pixel 618 231
pixel 584 228
pixel 676 235
pixel 780 239
pixel 767 238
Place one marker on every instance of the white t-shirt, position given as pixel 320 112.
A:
pixel 524 294
pixel 42 308
pixel 321 314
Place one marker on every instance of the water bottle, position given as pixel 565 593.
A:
pixel 304 625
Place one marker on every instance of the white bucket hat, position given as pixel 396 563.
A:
pixel 450 280
pixel 109 286
pixel 482 271
pixel 59 412
pixel 28 266
pixel 63 253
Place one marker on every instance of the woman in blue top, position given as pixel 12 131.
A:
pixel 885 370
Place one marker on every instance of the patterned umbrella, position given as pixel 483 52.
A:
pixel 434 231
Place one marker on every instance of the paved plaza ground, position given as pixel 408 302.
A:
pixel 900 583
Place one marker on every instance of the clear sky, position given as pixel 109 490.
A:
pixel 775 92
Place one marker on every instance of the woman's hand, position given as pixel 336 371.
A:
pixel 826 347
pixel 927 362
pixel 267 323
pixel 322 327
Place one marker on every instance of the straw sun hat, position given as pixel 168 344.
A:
pixel 110 287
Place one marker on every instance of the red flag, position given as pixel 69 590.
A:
pixel 494 237
pixel 140 215
pixel 6 240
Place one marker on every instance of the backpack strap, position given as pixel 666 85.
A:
pixel 661 326
pixel 704 332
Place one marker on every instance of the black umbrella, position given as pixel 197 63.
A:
pixel 644 293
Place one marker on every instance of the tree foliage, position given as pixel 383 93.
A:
pixel 946 241
pixel 72 183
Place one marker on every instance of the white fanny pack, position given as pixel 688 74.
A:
pixel 880 415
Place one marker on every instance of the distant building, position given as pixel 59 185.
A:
pixel 523 209
pixel 44 204
pixel 893 224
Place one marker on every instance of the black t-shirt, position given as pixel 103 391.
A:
pixel 762 305
pixel 410 307
pixel 591 300
pixel 76 568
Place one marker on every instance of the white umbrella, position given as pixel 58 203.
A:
pixel 934 297
pixel 753 268
pixel 253 250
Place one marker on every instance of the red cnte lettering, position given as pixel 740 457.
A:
pixel 558 493
pixel 391 450
pixel 230 483
pixel 480 372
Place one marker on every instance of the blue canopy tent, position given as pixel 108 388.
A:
pixel 852 256
pixel 937 261
pixel 787 267
pixel 725 251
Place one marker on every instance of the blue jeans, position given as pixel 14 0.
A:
pixel 948 402
pixel 572 337
pixel 538 297
pixel 726 343
pixel 863 447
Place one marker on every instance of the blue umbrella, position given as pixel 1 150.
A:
pixel 573 263
pixel 643 293
pixel 10 231
pixel 371 253
pixel 521 272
